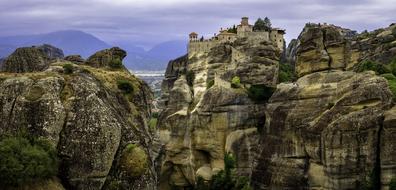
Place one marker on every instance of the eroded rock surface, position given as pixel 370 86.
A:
pixel 201 122
pixel 324 47
pixel 85 115
pixel 323 132
pixel 106 57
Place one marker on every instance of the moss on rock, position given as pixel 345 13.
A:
pixel 134 160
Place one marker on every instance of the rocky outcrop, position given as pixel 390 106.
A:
pixel 324 47
pixel 31 59
pixel 331 129
pixel 51 52
pixel 204 118
pixel 27 59
pixel 323 132
pixel 77 59
pixel 87 117
pixel 106 57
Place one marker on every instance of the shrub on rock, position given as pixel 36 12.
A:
pixel 134 161
pixel 235 82
pixel 125 86
pixel 24 161
pixel 260 93
pixel 68 68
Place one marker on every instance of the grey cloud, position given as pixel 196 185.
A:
pixel 149 22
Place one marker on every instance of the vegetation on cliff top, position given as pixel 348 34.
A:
pixel 387 71
pixel 262 25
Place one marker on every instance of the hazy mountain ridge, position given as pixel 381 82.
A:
pixel 85 44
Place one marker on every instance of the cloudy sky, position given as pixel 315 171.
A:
pixel 148 22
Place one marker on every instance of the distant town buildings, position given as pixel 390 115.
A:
pixel 244 29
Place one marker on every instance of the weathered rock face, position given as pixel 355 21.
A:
pixel 30 59
pixel 200 123
pixel 331 129
pixel 27 59
pixel 387 147
pixel 51 52
pixel 324 132
pixel 324 47
pixel 87 118
pixel 105 57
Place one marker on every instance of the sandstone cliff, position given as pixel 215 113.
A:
pixel 100 130
pixel 204 117
pixel 330 129
pixel 324 47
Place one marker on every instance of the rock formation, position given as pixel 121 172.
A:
pixel 30 59
pixel 200 122
pixel 85 115
pixel 51 52
pixel 105 57
pixel 323 131
pixel 77 59
pixel 324 47
pixel 330 129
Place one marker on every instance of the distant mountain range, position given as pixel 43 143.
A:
pixel 85 44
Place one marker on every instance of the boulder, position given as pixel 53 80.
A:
pixel 105 58
pixel 51 52
pixel 26 59
pixel 87 118
pixel 326 47
pixel 322 132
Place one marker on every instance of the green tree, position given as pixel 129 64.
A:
pixel 232 30
pixel 259 25
pixel 267 24
pixel 23 161
pixel 262 25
